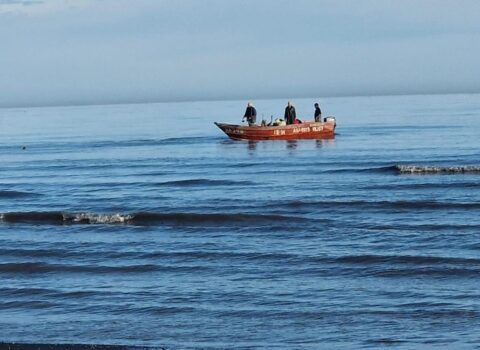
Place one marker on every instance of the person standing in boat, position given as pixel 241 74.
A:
pixel 250 114
pixel 318 113
pixel 290 114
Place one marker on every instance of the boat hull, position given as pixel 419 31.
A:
pixel 306 130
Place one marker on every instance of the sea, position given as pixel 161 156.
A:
pixel 144 226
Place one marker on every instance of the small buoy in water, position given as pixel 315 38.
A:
pixel 24 147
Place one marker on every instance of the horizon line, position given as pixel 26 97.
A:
pixel 187 100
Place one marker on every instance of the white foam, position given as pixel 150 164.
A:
pixel 416 169
pixel 97 218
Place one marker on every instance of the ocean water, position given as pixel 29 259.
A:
pixel 144 225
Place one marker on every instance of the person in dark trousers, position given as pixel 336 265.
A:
pixel 290 114
pixel 250 114
pixel 318 113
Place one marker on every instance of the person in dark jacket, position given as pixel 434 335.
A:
pixel 318 113
pixel 250 114
pixel 290 114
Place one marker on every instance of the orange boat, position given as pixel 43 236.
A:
pixel 306 130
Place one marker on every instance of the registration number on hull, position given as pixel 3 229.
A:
pixel 305 129
pixel 234 131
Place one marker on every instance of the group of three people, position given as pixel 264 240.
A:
pixel 290 114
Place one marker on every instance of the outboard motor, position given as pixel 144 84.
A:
pixel 330 119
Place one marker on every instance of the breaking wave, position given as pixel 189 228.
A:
pixel 412 169
pixel 62 218
pixel 420 169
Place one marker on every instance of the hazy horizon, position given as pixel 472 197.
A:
pixel 59 52
pixel 251 98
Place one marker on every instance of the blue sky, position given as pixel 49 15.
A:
pixel 114 51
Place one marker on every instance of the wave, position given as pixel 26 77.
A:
pixel 421 186
pixel 406 259
pixel 15 194
pixel 422 227
pixel 53 346
pixel 50 292
pixel 203 182
pixel 42 253
pixel 62 218
pixel 22 292
pixel 385 205
pixel 427 271
pixel 26 304
pixel 410 169
pixel 381 169
pixel 396 266
pixel 43 267
pixel 367 265
pixel 421 169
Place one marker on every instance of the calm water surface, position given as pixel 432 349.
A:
pixel 144 225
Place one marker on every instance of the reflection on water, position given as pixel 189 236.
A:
pixel 292 144
pixel 324 142
pixel 253 147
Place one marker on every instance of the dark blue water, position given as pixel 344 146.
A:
pixel 143 225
